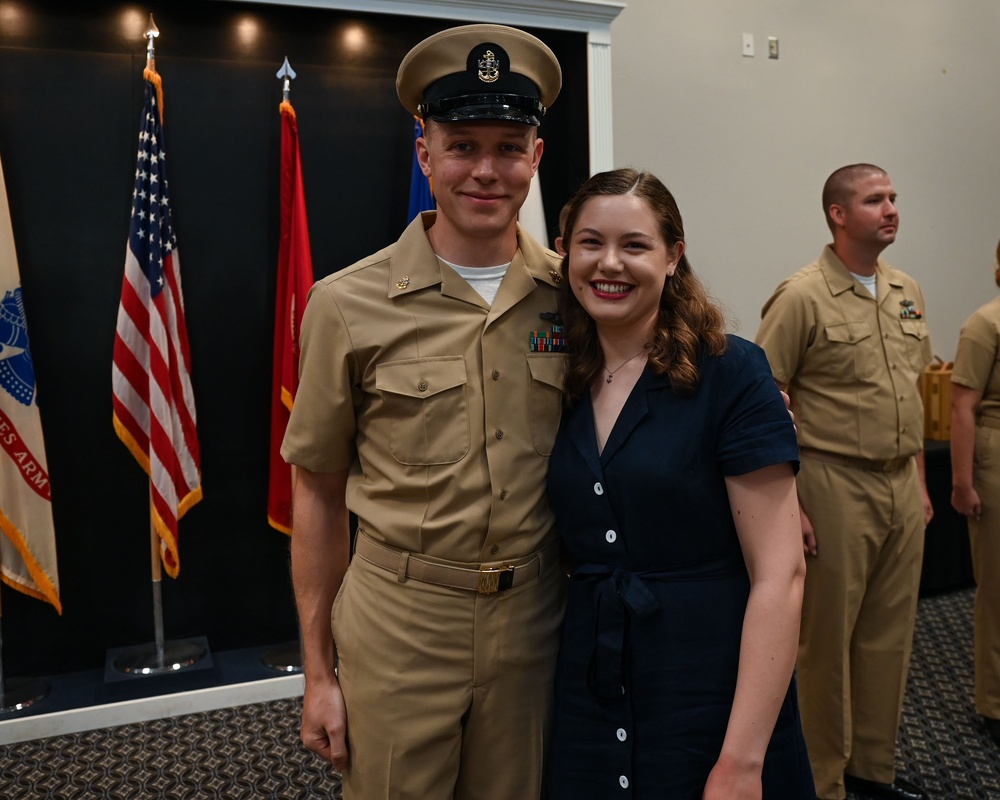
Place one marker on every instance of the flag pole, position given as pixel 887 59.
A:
pixel 159 657
pixel 21 692
pixel 156 570
pixel 286 657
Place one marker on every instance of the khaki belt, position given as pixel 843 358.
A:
pixel 989 422
pixel 891 465
pixel 487 578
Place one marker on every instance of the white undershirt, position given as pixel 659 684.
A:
pixel 485 280
pixel 868 281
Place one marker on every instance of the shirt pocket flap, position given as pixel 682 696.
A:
pixel 420 378
pixel 848 332
pixel 916 328
pixel 548 368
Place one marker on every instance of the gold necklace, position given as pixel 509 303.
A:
pixel 611 372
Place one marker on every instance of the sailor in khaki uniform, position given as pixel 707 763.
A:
pixel 428 403
pixel 846 337
pixel 975 471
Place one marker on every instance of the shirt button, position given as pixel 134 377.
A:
pixel 494 549
pixel 495 375
pixel 598 489
pixel 622 736
pixel 611 536
pixel 499 434
pixel 503 494
pixel 422 386
pixel 623 781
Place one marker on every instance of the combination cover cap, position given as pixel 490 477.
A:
pixel 479 72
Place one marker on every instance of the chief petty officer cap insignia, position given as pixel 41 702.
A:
pixel 479 72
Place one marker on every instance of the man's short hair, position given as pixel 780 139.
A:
pixel 839 188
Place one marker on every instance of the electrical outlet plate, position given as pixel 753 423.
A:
pixel 772 47
pixel 748 45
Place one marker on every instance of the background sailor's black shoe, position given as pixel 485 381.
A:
pixel 897 790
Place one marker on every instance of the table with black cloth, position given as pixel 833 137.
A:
pixel 947 557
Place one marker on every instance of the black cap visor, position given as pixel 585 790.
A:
pixel 504 107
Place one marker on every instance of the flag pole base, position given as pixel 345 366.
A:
pixel 145 660
pixel 19 693
pixel 285 658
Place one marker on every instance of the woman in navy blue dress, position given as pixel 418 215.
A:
pixel 673 486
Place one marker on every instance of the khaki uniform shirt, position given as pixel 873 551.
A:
pixel 977 364
pixel 851 362
pixel 433 399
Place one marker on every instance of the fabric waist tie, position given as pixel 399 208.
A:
pixel 619 593
pixel 889 465
pixel 485 578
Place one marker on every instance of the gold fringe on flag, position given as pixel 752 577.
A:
pixel 151 75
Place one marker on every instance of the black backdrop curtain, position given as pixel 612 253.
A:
pixel 71 92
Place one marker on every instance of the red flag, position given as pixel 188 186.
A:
pixel 153 401
pixel 28 540
pixel 295 277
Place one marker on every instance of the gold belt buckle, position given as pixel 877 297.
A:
pixel 496 579
pixel 892 464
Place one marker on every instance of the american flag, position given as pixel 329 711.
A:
pixel 154 412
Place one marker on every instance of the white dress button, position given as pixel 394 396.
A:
pixel 622 735
pixel 598 489
pixel 623 781
pixel 611 536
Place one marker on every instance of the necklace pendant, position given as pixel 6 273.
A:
pixel 610 377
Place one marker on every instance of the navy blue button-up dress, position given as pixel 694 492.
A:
pixel 651 639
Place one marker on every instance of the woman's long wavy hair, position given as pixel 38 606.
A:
pixel 996 272
pixel 688 321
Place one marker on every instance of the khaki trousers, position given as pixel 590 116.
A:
pixel 448 692
pixel 984 536
pixel 858 615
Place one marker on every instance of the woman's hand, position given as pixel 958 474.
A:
pixel 731 781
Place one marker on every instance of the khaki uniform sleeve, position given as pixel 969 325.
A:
pixel 788 327
pixel 927 351
pixel 977 353
pixel 321 430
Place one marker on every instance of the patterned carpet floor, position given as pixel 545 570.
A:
pixel 253 751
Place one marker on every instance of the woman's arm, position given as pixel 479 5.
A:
pixel 766 513
pixel 964 402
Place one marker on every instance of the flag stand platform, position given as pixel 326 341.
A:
pixel 19 693
pixel 150 659
pixel 285 657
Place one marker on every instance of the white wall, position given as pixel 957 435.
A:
pixel 745 144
